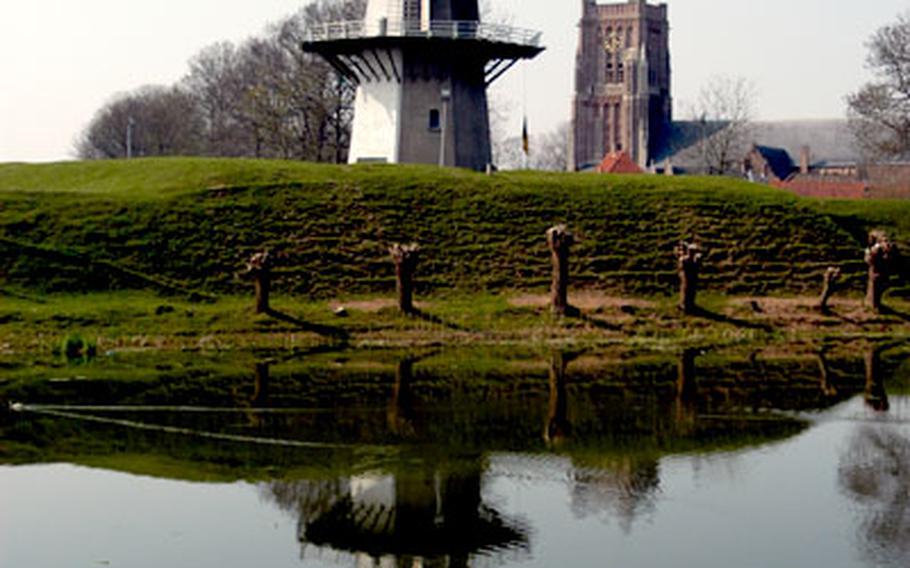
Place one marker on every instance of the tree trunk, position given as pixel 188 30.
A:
pixel 875 290
pixel 688 288
pixel 560 241
pixel 828 284
pixel 259 267
pixel 405 258
pixel 688 264
pixel 879 257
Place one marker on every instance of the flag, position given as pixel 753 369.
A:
pixel 525 140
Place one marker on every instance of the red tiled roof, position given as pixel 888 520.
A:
pixel 824 186
pixel 618 163
pixel 889 176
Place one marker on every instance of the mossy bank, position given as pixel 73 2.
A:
pixel 189 224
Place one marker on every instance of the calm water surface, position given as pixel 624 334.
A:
pixel 561 461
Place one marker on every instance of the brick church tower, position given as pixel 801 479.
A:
pixel 622 82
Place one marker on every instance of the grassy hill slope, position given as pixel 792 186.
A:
pixel 193 222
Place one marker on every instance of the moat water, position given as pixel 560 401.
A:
pixel 461 460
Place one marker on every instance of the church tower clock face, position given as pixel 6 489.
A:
pixel 612 42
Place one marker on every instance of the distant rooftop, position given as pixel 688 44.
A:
pixel 829 140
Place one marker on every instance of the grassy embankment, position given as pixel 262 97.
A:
pixel 124 252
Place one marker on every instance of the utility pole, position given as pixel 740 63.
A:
pixel 129 137
pixel 446 96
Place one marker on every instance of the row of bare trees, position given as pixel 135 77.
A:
pixel 264 98
pixel 881 258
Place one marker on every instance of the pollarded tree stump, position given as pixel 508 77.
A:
pixel 880 258
pixel 829 283
pixel 405 258
pixel 560 241
pixel 259 267
pixel 688 263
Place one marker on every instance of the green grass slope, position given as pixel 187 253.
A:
pixel 191 223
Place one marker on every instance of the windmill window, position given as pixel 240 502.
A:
pixel 435 123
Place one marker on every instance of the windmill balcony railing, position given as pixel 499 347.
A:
pixel 468 30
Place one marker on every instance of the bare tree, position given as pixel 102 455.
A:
pixel 829 282
pixel 729 102
pixel 501 143
pixel 151 121
pixel 688 259
pixel 259 268
pixel 880 258
pixel 214 84
pixel 548 151
pixel 405 257
pixel 560 241
pixel 263 98
pixel 321 101
pixel 880 111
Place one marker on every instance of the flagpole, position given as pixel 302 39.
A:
pixel 525 135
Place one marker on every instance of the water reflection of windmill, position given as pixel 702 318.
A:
pixel 421 515
pixel 428 512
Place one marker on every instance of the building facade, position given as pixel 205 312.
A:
pixel 622 83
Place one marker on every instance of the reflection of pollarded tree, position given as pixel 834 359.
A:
pixel 261 384
pixel 875 473
pixel 686 412
pixel 400 414
pixel 824 371
pixel 559 426
pixel 624 487
pixel 621 486
pixel 876 395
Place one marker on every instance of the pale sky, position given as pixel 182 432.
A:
pixel 60 60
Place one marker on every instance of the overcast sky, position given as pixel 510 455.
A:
pixel 60 60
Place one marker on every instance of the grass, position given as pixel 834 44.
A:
pixel 187 226
pixel 139 320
